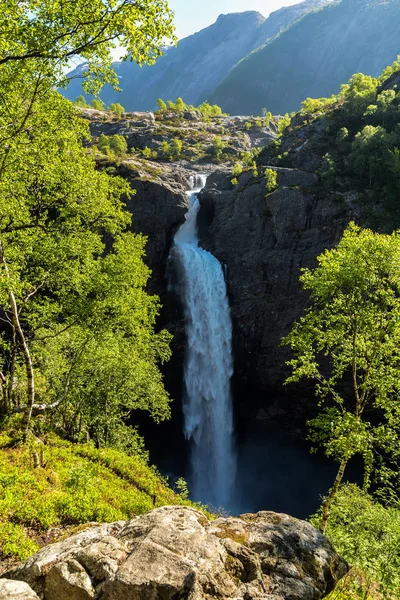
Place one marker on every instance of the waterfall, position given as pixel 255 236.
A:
pixel 207 406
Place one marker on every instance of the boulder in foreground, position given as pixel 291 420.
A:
pixel 176 553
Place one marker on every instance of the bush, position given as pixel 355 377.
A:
pixel 104 144
pixel 81 101
pixel 149 153
pixel 77 485
pixel 161 105
pixel 118 144
pixel 271 180
pixel 117 109
pixel 217 146
pixel 97 104
pixel 367 535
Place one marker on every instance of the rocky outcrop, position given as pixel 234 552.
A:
pixel 264 240
pixel 177 553
pixel 16 590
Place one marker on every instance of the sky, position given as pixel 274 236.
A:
pixel 191 16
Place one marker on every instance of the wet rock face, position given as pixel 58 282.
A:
pixel 175 552
pixel 264 240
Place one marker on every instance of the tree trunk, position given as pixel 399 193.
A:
pixel 25 350
pixel 331 495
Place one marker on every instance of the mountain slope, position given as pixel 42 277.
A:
pixel 192 70
pixel 314 56
pixel 200 62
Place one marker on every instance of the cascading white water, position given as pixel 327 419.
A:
pixel 207 405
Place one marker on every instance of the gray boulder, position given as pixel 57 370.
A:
pixel 176 552
pixel 16 590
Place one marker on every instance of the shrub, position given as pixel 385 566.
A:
pixel 161 105
pixel 217 146
pixel 149 153
pixel 81 101
pixel 104 143
pixel 271 180
pixel 367 535
pixel 97 104
pixel 118 144
pixel 117 109
pixel 237 169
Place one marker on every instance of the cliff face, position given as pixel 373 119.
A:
pixel 313 57
pixel 264 241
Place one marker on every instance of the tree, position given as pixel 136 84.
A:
pixel 46 35
pixel 56 210
pixel 117 109
pixel 348 342
pixel 81 101
pixel 97 104
pixel 180 106
pixel 118 144
pixel 104 143
pixel 358 94
pixel 271 179
pixel 161 105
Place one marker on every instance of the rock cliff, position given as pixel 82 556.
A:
pixel 177 553
pixel 264 240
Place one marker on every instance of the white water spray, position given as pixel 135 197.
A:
pixel 207 405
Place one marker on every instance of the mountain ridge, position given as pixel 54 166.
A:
pixel 199 63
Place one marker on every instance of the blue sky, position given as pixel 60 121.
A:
pixel 191 16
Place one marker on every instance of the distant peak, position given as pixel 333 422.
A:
pixel 235 15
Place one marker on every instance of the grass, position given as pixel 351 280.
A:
pixel 78 484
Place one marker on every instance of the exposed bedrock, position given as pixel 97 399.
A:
pixel 264 240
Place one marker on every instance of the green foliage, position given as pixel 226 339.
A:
pixel 180 106
pixel 205 109
pixel 172 150
pixel 149 153
pixel 217 146
pixel 248 125
pixel 165 149
pixel 77 485
pixel 271 180
pixel 358 94
pixel 267 115
pixel 237 169
pixel 176 147
pixel 41 38
pixel 118 144
pixel 348 343
pixel 210 110
pixel 328 171
pixel 367 535
pixel 97 104
pixel 283 124
pixel 81 101
pixel 117 109
pixel 161 105
pixel 104 143
pixel 317 105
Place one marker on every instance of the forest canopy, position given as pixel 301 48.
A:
pixel 73 304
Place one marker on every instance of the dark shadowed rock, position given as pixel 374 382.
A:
pixel 264 240
pixel 175 552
